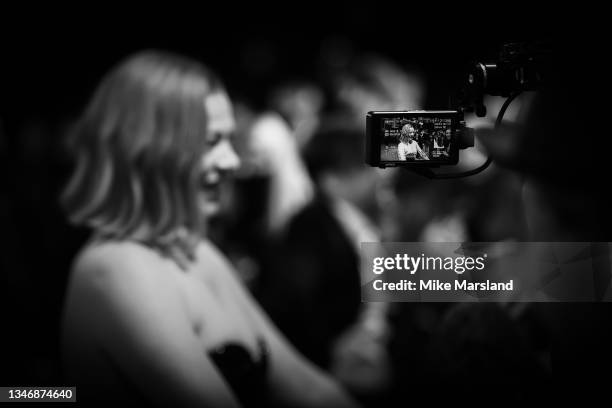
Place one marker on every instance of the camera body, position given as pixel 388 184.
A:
pixel 519 67
pixel 420 140
pixel 415 138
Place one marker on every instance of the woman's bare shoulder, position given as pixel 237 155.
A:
pixel 116 262
pixel 106 254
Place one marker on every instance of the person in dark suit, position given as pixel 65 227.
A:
pixel 313 293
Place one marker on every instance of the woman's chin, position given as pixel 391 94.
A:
pixel 208 207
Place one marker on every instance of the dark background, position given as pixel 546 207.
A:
pixel 54 64
pixel 51 65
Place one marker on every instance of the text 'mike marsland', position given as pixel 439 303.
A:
pixel 437 285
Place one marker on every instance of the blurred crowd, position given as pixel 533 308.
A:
pixel 293 218
pixel 303 202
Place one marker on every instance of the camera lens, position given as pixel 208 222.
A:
pixel 477 76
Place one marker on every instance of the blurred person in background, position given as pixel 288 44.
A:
pixel 273 144
pixel 314 292
pixel 494 208
pixel 272 185
pixel 565 201
pixel 367 82
pixel 301 104
pixel 153 312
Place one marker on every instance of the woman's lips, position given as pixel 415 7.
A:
pixel 210 185
pixel 211 190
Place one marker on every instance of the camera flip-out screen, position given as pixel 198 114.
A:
pixel 412 138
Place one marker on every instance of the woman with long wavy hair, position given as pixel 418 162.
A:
pixel 153 311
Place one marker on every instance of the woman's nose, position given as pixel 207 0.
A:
pixel 227 159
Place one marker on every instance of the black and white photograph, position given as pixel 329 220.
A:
pixel 304 206
pixel 422 138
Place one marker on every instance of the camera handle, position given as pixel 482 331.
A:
pixel 427 172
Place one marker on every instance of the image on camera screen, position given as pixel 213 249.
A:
pixel 412 139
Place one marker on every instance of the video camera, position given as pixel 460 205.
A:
pixel 420 140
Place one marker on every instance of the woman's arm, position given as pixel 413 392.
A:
pixel 294 380
pixel 401 152
pixel 138 320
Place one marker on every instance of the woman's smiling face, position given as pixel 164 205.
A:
pixel 220 158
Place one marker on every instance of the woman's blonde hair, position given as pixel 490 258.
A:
pixel 405 132
pixel 138 148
